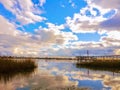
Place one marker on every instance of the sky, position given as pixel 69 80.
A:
pixel 59 27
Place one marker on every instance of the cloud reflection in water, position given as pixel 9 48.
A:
pixel 97 80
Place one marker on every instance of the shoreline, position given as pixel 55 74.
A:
pixel 10 65
pixel 113 66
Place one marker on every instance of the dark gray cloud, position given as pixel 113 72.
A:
pixel 112 23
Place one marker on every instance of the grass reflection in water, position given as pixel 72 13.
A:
pixel 9 68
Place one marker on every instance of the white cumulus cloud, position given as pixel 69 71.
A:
pixel 24 10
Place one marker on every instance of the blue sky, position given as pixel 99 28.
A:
pixel 59 27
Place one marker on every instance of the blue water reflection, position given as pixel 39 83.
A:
pixel 53 74
pixel 96 80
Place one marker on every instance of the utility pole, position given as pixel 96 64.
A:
pixel 87 53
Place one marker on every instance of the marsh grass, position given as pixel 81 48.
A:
pixel 10 65
pixel 101 65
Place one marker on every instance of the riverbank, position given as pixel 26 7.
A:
pixel 101 65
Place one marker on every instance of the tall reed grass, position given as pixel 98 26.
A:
pixel 10 65
pixel 101 65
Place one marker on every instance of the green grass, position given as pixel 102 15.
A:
pixel 101 65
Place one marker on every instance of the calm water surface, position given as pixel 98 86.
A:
pixel 61 73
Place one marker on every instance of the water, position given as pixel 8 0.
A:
pixel 52 74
